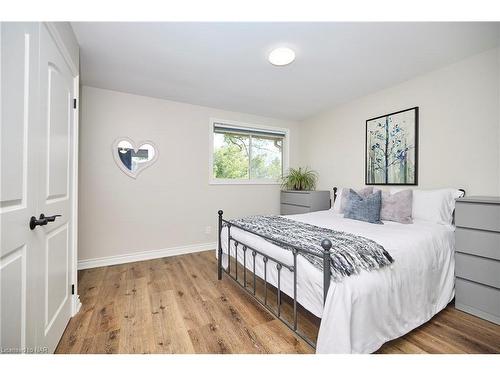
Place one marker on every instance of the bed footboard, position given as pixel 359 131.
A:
pixel 268 260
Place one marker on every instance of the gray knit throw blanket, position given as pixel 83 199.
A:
pixel 349 254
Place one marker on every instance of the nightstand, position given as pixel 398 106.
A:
pixel 477 268
pixel 301 202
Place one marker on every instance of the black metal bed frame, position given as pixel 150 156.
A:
pixel 326 244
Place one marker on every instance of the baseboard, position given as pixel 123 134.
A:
pixel 144 255
pixel 76 304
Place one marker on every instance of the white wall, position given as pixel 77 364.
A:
pixel 459 129
pixel 171 203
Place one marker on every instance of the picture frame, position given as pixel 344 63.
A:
pixel 391 148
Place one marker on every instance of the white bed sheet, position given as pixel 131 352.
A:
pixel 364 311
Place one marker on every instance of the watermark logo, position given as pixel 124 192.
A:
pixel 26 350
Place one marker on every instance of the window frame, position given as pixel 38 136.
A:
pixel 245 126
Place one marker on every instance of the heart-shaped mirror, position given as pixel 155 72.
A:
pixel 132 159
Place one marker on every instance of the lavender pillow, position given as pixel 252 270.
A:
pixel 364 209
pixel 397 207
pixel 344 196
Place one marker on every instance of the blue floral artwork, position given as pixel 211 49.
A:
pixel 391 148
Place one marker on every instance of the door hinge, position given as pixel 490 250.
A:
pixel 74 103
pixel 72 288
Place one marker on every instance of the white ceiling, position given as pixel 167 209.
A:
pixel 224 65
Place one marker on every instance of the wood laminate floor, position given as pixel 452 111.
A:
pixel 177 305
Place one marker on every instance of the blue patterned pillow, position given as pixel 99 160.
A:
pixel 364 209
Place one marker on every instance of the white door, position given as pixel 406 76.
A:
pixel 54 192
pixel 18 184
pixel 36 263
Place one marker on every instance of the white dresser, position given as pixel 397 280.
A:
pixel 300 202
pixel 477 268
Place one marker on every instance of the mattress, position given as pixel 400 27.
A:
pixel 364 311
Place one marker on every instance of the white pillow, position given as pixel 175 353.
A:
pixel 435 206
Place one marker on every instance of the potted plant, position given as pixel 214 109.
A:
pixel 299 179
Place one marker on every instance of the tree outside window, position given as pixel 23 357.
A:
pixel 247 156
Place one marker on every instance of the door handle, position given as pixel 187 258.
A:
pixel 50 218
pixel 43 220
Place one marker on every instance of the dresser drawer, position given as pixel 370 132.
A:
pixel 477 299
pixel 289 209
pixel 478 215
pixel 298 199
pixel 477 242
pixel 482 270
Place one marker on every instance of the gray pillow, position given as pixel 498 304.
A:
pixel 364 209
pixel 397 207
pixel 366 191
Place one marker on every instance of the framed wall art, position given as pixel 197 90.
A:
pixel 391 149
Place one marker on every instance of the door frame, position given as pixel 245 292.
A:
pixel 75 302
pixel 58 40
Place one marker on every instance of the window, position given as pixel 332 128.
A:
pixel 246 154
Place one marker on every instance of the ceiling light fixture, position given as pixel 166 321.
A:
pixel 281 56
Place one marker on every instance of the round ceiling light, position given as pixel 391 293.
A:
pixel 281 56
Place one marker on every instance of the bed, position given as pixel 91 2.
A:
pixel 363 311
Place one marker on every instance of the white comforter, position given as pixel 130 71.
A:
pixel 364 311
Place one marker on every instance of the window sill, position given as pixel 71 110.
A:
pixel 243 182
